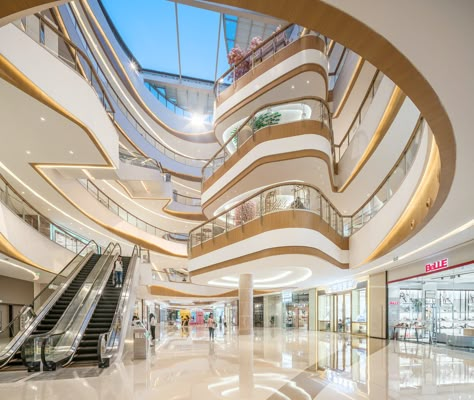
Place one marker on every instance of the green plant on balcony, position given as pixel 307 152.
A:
pixel 266 119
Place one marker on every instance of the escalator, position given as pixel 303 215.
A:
pixel 55 313
pixel 100 322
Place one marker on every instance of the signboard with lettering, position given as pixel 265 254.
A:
pixel 440 264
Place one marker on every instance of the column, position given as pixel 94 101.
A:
pixel 246 304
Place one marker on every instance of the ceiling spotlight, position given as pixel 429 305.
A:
pixel 307 82
pixel 71 152
pixel 42 119
pixel 28 152
pixel 292 86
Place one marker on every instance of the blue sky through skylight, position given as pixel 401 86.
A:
pixel 148 28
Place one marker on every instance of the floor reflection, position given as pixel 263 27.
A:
pixel 273 364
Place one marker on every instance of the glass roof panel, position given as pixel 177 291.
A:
pixel 148 28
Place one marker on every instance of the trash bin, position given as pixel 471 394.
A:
pixel 140 343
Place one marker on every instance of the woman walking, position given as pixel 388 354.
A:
pixel 211 324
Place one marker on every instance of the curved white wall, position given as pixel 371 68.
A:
pixel 61 83
pixel 364 242
pixel 309 56
pixel 32 244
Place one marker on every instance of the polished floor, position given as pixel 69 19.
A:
pixel 274 364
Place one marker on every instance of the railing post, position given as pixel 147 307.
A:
pixel 261 204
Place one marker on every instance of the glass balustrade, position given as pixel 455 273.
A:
pixel 272 200
pixel 152 139
pixel 304 108
pixel 359 117
pixel 46 34
pixel 309 199
pixel 21 326
pixel 16 204
pixel 130 218
pixel 247 61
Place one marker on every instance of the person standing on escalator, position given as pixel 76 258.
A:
pixel 118 268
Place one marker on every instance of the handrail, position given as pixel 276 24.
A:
pixel 160 146
pixel 31 321
pixel 159 96
pixel 294 196
pixel 186 200
pixel 113 206
pixel 77 61
pixel 256 205
pixel 133 158
pixel 372 90
pixel 325 119
pixel 233 67
pixel 98 283
pixel 41 220
pixel 107 344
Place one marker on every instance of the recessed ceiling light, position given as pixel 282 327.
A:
pixel 49 209
pixel 42 119
pixel 307 82
pixel 292 86
pixel 22 192
pixel 28 152
pixel 71 152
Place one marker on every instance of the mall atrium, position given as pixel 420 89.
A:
pixel 236 199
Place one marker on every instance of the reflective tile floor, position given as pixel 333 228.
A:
pixel 275 364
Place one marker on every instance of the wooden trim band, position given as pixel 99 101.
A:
pixel 373 47
pixel 307 42
pixel 310 67
pixel 393 107
pixel 271 252
pixel 277 220
pixel 269 133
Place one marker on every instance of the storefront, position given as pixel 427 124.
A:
pixel 343 308
pixel 434 306
pixel 295 310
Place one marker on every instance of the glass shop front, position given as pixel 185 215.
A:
pixel 344 310
pixel 434 307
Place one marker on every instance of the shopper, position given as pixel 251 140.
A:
pixel 118 268
pixel 152 327
pixel 211 324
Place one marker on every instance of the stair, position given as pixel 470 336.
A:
pixel 100 322
pixel 54 314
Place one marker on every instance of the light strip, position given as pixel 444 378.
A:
pixel 35 275
pixel 307 275
pixel 460 229
pixel 275 278
pixel 145 187
pixel 88 174
pixel 111 75
pixel 4 167
pixel 147 209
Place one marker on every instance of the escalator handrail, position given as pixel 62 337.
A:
pixel 101 281
pixel 107 346
pixel 21 336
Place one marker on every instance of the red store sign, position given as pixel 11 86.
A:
pixel 440 264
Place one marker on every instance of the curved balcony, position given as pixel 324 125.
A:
pixel 255 57
pixel 274 208
pixel 138 160
pixel 90 19
pixel 294 58
pixel 118 210
pixel 277 113
pixel 28 214
pixel 45 33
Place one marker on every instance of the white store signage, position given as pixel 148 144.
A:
pixel 342 286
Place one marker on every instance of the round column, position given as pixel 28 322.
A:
pixel 246 304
